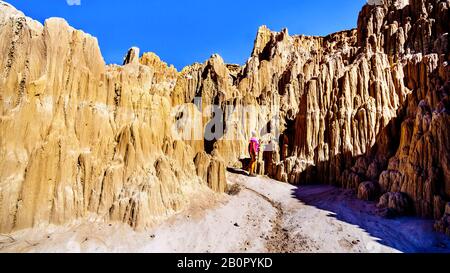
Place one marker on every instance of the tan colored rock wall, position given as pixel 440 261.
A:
pixel 368 104
pixel 80 137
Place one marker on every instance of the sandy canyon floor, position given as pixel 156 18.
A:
pixel 258 215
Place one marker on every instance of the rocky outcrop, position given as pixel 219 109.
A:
pixel 443 224
pixel 80 137
pixel 413 149
pixel 211 170
pixel 365 109
pixel 132 56
pixel 394 203
pixel 368 191
pixel 369 104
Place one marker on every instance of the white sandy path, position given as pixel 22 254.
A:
pixel 265 216
pixel 328 219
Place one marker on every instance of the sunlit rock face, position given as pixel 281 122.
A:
pixel 399 4
pixel 365 109
pixel 79 137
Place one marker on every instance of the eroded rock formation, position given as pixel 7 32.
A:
pixel 369 104
pixel 80 137
pixel 366 109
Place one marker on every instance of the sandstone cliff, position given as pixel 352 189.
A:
pixel 364 109
pixel 81 137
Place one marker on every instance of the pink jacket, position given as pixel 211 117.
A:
pixel 255 142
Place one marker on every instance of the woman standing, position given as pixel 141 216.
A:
pixel 253 150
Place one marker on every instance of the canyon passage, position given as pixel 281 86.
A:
pixel 354 130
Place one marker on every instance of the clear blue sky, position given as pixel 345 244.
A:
pixel 182 32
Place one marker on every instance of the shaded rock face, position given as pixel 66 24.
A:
pixel 368 191
pixel 443 224
pixel 412 153
pixel 129 143
pixel 394 203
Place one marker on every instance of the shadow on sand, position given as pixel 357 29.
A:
pixel 406 234
pixel 237 171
